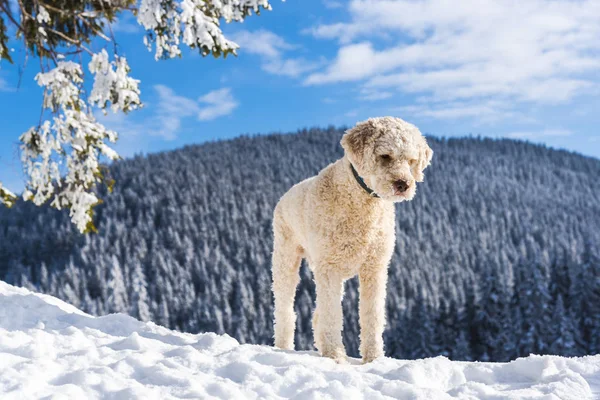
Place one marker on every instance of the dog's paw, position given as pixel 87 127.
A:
pixel 341 360
pixel 371 356
pixel 337 355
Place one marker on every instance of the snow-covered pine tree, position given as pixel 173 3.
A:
pixel 461 350
pixel 422 329
pixel 493 317
pixel 563 328
pixel 116 291
pixel 586 299
pixel 446 328
pixel 139 302
pixel 532 291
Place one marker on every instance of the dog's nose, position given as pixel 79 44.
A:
pixel 401 185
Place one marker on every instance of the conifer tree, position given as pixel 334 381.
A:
pixel 563 341
pixel 116 293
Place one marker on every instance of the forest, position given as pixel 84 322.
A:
pixel 497 257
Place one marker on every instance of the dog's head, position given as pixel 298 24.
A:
pixel 389 154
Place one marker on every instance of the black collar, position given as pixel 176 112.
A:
pixel 362 183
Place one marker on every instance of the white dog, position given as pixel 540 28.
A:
pixel 342 221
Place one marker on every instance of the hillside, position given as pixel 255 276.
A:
pixel 497 257
pixel 50 349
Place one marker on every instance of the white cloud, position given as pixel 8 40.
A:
pixel 261 42
pixel 485 112
pixel 291 67
pixel 220 103
pixel 5 86
pixel 374 95
pixel 131 132
pixel 271 48
pixel 127 23
pixel 353 62
pixel 546 133
pixel 332 4
pixel 169 111
pixel 121 123
pixel 538 51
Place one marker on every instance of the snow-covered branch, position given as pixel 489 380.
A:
pixel 7 197
pixel 61 156
pixel 112 85
pixel 194 23
pixel 73 139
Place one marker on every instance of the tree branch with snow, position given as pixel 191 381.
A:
pixel 62 155
pixel 7 197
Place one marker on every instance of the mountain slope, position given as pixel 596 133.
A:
pixel 498 256
pixel 49 348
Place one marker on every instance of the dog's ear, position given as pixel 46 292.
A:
pixel 425 155
pixel 355 141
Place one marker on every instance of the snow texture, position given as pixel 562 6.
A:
pixel 49 349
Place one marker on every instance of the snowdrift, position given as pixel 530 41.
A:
pixel 49 349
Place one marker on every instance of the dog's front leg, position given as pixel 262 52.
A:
pixel 372 311
pixel 327 327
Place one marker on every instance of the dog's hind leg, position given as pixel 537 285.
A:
pixel 286 265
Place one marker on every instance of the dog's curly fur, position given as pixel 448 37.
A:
pixel 342 231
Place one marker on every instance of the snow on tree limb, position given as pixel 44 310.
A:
pixel 112 85
pixel 195 22
pixel 73 139
pixel 7 197
pixel 61 156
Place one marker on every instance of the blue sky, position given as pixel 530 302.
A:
pixel 499 68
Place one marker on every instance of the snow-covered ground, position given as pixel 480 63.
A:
pixel 49 349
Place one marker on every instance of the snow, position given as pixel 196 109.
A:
pixel 49 349
pixel 112 84
pixel 6 196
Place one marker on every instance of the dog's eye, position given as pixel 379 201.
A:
pixel 385 157
pixel 412 162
